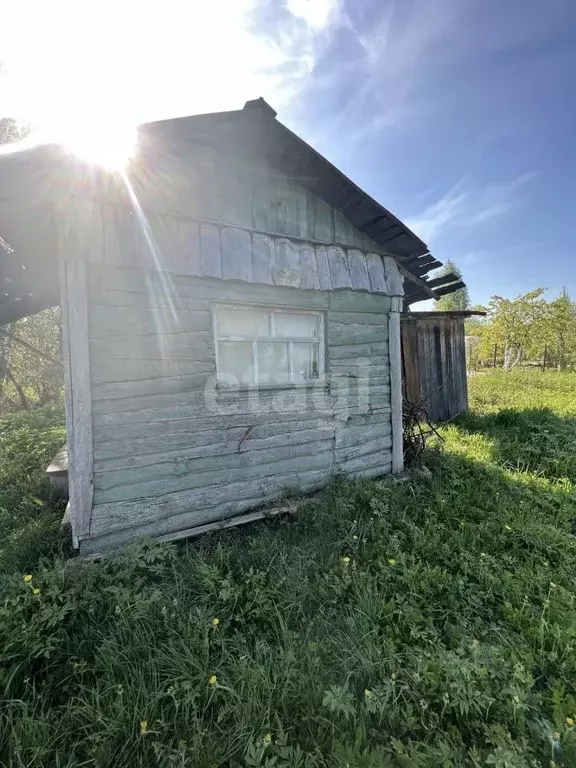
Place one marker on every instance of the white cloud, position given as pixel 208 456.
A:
pixel 465 207
pixel 317 13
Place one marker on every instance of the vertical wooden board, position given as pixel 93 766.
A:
pixel 343 229
pixel 188 256
pixel 286 269
pixel 396 391
pixel 236 254
pixel 165 233
pixel 286 206
pixel 310 215
pixel 262 258
pixel 237 192
pixel 308 267
pixel 376 273
pixel 79 395
pixel 111 251
pixel 358 270
pixel 323 221
pixel 338 265
pixel 394 278
pixel 303 228
pixel 324 280
pixel 210 251
pixel 263 210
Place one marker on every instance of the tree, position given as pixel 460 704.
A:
pixel 561 329
pixel 458 300
pixel 518 325
pixel 30 354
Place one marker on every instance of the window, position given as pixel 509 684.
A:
pixel 264 345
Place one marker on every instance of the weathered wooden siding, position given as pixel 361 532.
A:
pixel 245 192
pixel 172 451
pixel 434 364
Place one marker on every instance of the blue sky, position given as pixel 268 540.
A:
pixel 457 115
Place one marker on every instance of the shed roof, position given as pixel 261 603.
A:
pixel 29 179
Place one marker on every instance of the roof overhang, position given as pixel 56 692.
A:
pixel 42 184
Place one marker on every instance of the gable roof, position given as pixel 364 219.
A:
pixel 252 129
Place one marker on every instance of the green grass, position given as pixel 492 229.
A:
pixel 447 639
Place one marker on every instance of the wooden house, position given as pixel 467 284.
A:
pixel 231 319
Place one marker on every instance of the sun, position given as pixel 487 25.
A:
pixel 109 146
pixel 105 143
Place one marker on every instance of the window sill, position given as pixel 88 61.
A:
pixel 289 386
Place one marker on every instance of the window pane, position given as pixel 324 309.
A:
pixel 304 361
pixel 240 322
pixel 288 324
pixel 272 362
pixel 235 362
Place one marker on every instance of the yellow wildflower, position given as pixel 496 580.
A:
pixel 268 738
pixel 391 561
pixel 368 693
pixel 569 722
pixel 213 680
pixel 215 621
pixel 507 527
pixel 143 727
pixel 28 578
pixel 345 561
pixel 36 591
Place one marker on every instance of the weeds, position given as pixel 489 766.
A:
pixel 429 622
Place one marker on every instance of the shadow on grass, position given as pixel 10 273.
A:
pixel 534 440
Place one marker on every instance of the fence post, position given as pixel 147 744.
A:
pixel 495 353
pixel 544 359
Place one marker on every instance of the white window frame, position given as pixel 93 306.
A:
pixel 272 310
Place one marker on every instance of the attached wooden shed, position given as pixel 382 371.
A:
pixel 231 313
pixel 434 362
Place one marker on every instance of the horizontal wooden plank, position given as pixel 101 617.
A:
pixel 356 318
pixel 218 455
pixel 238 438
pixel 177 346
pixel 193 507
pixel 133 448
pixel 357 301
pixel 360 372
pixel 119 321
pixel 379 470
pixel 348 435
pixel 344 334
pixel 339 351
pixel 157 421
pixel 118 279
pixel 200 403
pixel 190 480
pixel 148 387
pixel 158 296
pixel 379 445
pixel 381 459
pixel 111 370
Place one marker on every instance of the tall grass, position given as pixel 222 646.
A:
pixel 422 621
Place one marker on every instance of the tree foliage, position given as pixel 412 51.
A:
pixel 460 299
pixel 31 361
pixel 522 329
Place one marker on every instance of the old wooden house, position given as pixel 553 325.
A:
pixel 231 319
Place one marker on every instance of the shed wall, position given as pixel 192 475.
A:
pixel 172 451
pixel 434 364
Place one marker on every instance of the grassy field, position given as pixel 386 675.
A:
pixel 427 621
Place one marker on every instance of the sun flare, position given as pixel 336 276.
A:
pixel 107 145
